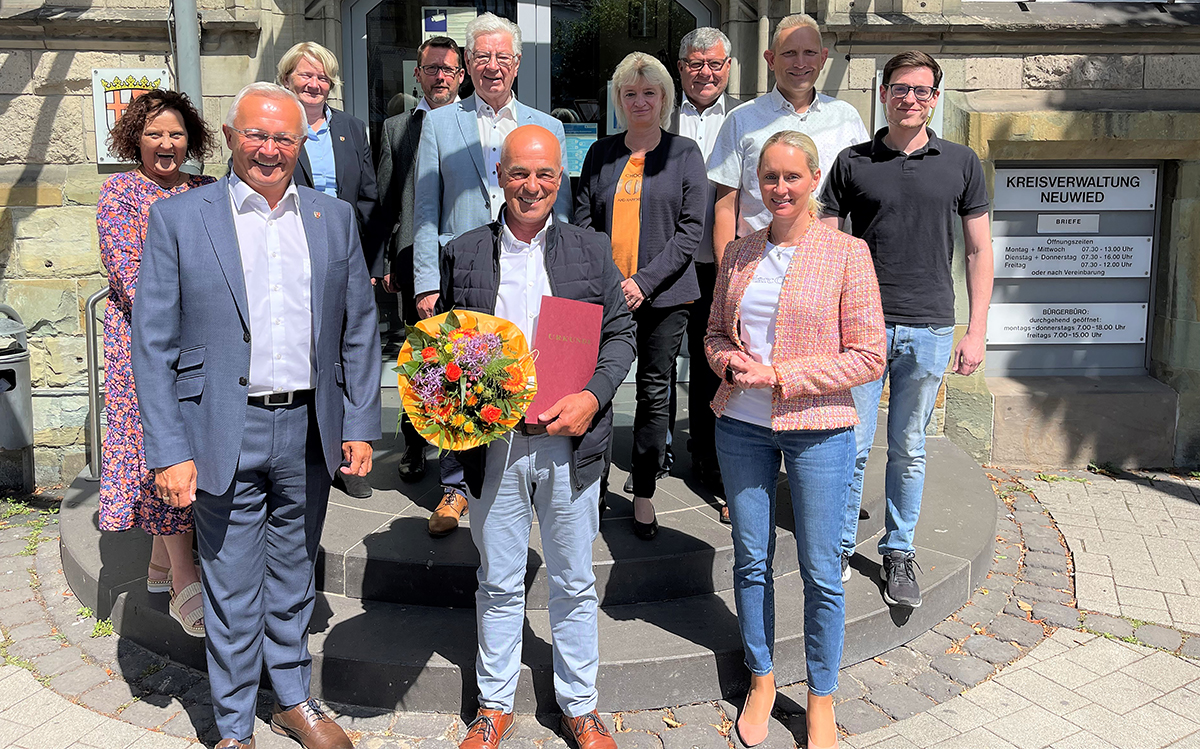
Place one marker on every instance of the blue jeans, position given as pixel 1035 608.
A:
pixel 820 466
pixel 917 358
pixel 524 475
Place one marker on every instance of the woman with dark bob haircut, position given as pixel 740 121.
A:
pixel 158 132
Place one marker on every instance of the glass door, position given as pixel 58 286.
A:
pixel 569 50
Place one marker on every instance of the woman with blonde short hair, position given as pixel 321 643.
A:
pixel 646 188
pixel 796 322
pixel 335 158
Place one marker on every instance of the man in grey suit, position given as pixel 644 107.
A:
pixel 256 359
pixel 439 72
pixel 705 58
pixel 458 187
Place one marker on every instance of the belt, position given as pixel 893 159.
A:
pixel 530 430
pixel 271 400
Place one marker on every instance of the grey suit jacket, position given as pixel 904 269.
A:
pixel 452 195
pixel 392 224
pixel 191 333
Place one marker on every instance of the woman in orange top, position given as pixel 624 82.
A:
pixel 796 322
pixel 646 189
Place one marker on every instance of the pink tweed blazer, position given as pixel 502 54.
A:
pixel 829 333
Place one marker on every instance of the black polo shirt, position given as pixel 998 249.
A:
pixel 904 207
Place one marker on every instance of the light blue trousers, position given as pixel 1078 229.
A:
pixel 917 357
pixel 524 475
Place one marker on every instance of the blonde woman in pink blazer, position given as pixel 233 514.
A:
pixel 796 322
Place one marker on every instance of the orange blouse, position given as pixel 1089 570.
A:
pixel 627 217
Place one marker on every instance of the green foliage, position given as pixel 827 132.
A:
pixel 1104 469
pixel 83 612
pixel 103 628
pixel 1050 478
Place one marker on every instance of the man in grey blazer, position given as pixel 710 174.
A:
pixel 439 72
pixel 705 58
pixel 458 188
pixel 256 361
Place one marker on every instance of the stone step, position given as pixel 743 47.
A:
pixel 669 652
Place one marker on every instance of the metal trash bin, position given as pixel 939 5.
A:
pixel 16 405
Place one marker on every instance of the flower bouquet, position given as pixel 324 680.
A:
pixel 466 378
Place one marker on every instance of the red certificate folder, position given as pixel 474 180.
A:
pixel 567 343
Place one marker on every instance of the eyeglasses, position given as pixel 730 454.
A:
pixel 503 59
pixel 446 70
pixel 697 65
pixel 286 141
pixel 922 93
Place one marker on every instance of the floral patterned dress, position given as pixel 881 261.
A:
pixel 127 496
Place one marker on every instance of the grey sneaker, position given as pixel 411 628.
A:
pixel 846 567
pixel 901 587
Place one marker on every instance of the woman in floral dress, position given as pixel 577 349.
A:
pixel 158 131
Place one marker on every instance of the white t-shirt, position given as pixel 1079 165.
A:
pixel 756 329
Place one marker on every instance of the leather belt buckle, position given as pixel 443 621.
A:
pixel 274 399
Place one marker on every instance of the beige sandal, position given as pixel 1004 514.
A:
pixel 193 621
pixel 156 584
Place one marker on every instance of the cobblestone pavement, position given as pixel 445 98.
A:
pixel 1023 664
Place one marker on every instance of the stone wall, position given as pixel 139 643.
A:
pixel 49 181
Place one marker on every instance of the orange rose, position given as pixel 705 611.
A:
pixel 429 353
pixel 453 372
pixel 490 414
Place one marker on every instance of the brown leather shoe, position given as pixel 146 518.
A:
pixel 588 732
pixel 309 725
pixel 444 519
pixel 489 728
pixel 235 744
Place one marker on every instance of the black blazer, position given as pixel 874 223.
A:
pixel 391 229
pixel 355 172
pixel 674 191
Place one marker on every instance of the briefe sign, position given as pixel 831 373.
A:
pixel 1090 189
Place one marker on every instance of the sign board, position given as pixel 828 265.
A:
pixel 1073 249
pixel 443 21
pixel 113 89
pixel 1067 323
pixel 580 137
pixel 1072 257
pixel 1090 189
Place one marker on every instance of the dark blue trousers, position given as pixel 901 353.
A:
pixel 258 545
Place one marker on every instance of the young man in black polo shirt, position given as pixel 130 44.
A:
pixel 901 192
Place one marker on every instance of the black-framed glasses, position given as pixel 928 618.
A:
pixel 260 138
pixel 503 59
pixel 922 93
pixel 446 70
pixel 697 65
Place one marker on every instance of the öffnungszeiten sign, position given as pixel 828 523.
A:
pixel 1072 257
pixel 1091 189
pixel 1112 322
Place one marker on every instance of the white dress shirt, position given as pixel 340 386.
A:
pixel 494 127
pixel 523 280
pixel 831 123
pixel 756 329
pixel 278 274
pixel 703 127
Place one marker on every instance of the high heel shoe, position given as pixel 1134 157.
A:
pixel 753 734
pixel 819 705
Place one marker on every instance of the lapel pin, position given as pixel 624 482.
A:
pixel 342 137
pixel 316 214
